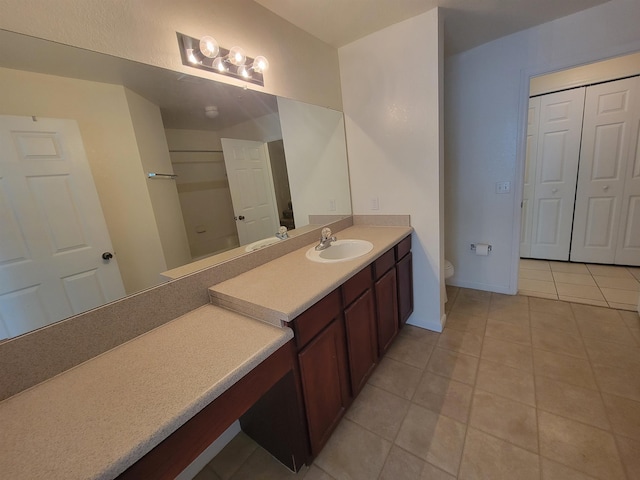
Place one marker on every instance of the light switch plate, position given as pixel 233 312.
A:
pixel 503 187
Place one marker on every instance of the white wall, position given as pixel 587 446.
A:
pixel 485 108
pixel 391 88
pixel 314 146
pixel 301 66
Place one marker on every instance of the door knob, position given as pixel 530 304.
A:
pixel 241 217
pixel 605 188
pixel 107 256
pixel 554 190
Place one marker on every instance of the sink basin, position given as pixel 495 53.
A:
pixel 340 251
pixel 265 242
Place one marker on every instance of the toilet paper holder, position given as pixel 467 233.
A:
pixel 473 247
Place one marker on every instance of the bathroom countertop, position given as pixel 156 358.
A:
pixel 97 419
pixel 282 289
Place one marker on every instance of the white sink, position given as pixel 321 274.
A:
pixel 265 242
pixel 340 251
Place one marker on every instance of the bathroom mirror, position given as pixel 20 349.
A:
pixel 135 119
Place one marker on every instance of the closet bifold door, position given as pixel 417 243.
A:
pixel 628 248
pixel 558 153
pixel 529 177
pixel 606 139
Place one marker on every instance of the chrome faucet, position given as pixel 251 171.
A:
pixel 282 233
pixel 325 239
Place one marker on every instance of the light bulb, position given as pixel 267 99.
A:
pixel 209 47
pixel 243 71
pixel 260 64
pixel 237 56
pixel 219 65
pixel 194 56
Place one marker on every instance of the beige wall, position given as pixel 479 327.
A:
pixel 301 66
pixel 102 113
pixel 154 154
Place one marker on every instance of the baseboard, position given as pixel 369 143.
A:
pixel 487 287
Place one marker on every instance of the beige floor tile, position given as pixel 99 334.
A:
pixel 316 473
pixel 467 323
pixel 233 455
pixel 618 381
pixel 452 292
pixel 568 267
pixel 609 271
pixel 430 472
pixel 629 449
pixel 471 306
pixel 620 296
pixel 578 403
pixel 517 315
pixel 379 411
pixel 530 274
pixel 444 396
pixel 558 342
pixel 564 368
pixel 206 474
pixel 401 465
pixel 455 365
pixel 512 421
pixel 584 301
pixel 530 294
pixel 579 291
pixel 574 278
pixel 411 351
pixel 534 264
pixel 631 319
pixel 579 446
pixel 508 353
pixel 459 341
pixel 396 377
pixel 506 381
pixel 486 457
pixel 432 437
pixel 473 294
pixel 554 471
pixel 635 271
pixel 550 321
pixel 422 334
pixel 353 452
pixel 621 283
pixel 602 324
pixel 508 332
pixel 501 300
pixel 262 465
pixel 624 415
pixel 536 286
pixel 612 354
pixel 623 306
pixel 554 307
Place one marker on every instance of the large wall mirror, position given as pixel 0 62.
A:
pixel 81 221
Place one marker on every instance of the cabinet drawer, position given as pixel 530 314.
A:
pixel 312 321
pixel 357 284
pixel 384 263
pixel 403 247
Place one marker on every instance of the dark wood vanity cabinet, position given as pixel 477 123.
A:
pixel 324 374
pixel 386 293
pixel 404 273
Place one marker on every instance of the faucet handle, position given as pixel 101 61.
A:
pixel 326 233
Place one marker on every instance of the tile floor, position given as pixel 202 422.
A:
pixel 602 285
pixel 515 387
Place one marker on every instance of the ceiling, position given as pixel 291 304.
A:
pixel 468 23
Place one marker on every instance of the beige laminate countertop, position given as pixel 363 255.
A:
pixel 97 419
pixel 282 289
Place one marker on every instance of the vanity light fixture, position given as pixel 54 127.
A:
pixel 207 54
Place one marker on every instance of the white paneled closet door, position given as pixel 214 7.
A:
pixel 628 247
pixel 528 187
pixel 606 138
pixel 558 153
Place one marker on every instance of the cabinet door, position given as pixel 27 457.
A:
pixel 325 383
pixel 387 309
pixel 404 270
pixel 362 343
